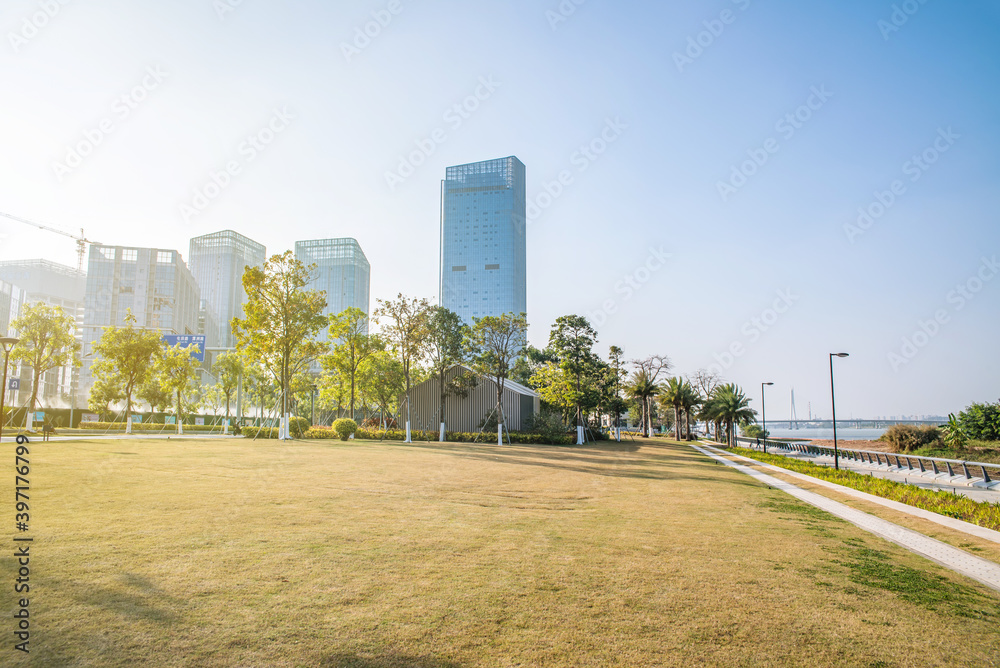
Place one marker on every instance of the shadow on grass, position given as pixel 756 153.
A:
pixel 663 461
pixel 136 598
pixel 384 661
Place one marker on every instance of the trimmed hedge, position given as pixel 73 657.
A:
pixel 520 438
pixel 149 426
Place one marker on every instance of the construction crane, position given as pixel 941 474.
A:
pixel 81 241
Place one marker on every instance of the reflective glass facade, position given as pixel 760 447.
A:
pixel 483 250
pixel 218 261
pixel 342 271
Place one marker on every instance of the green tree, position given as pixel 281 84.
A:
pixel 649 370
pixel 103 394
pixel 350 329
pixel 671 396
pixel 228 370
pixel 643 389
pixel 176 370
pixel 572 341
pixel 690 400
pixel 281 320
pixel 382 380
pixel 47 342
pixel 446 344
pixel 496 342
pixel 730 405
pixel 125 359
pixel 616 405
pixel 405 329
pixel 981 421
pixel 153 393
pixel 555 387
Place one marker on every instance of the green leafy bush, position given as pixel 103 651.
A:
pixel 981 421
pixel 907 437
pixel 344 428
pixel 298 426
pixel 753 431
pixel 546 423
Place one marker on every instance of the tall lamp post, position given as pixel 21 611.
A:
pixel 8 344
pixel 833 402
pixel 763 413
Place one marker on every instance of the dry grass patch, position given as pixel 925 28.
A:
pixel 208 553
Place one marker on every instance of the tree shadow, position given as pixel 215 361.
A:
pixel 137 598
pixel 386 660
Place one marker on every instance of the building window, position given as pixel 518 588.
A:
pixel 458 268
pixel 491 267
pixel 130 255
pixel 164 257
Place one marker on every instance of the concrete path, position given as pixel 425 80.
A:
pixel 972 489
pixel 980 570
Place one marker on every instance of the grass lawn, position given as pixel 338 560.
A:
pixel 227 553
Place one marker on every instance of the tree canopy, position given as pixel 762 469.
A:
pixel 281 319
pixel 47 341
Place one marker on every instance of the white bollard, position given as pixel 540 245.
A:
pixel 579 435
pixel 408 439
pixel 442 432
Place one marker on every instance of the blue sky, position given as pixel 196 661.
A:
pixel 337 123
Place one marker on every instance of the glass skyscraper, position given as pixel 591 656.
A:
pixel 483 250
pixel 218 261
pixel 342 271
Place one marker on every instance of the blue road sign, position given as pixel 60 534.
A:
pixel 195 342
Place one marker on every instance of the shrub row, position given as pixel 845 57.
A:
pixel 149 426
pixel 984 514
pixel 328 433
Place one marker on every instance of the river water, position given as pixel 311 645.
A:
pixel 843 433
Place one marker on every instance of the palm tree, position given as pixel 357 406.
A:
pixel 672 396
pixel 733 408
pixel 690 399
pixel 642 387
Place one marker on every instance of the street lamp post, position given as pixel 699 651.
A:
pixel 833 403
pixel 763 413
pixel 8 344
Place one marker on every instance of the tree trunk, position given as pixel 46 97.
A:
pixel 677 423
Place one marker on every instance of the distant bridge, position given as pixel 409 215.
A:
pixel 851 423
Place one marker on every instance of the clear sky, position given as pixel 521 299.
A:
pixel 713 155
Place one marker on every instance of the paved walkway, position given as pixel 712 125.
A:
pixel 980 570
pixel 958 484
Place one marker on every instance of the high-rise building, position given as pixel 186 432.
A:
pixel 342 271
pixel 12 297
pixel 57 285
pixel 483 250
pixel 217 262
pixel 153 283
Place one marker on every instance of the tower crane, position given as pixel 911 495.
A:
pixel 81 241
